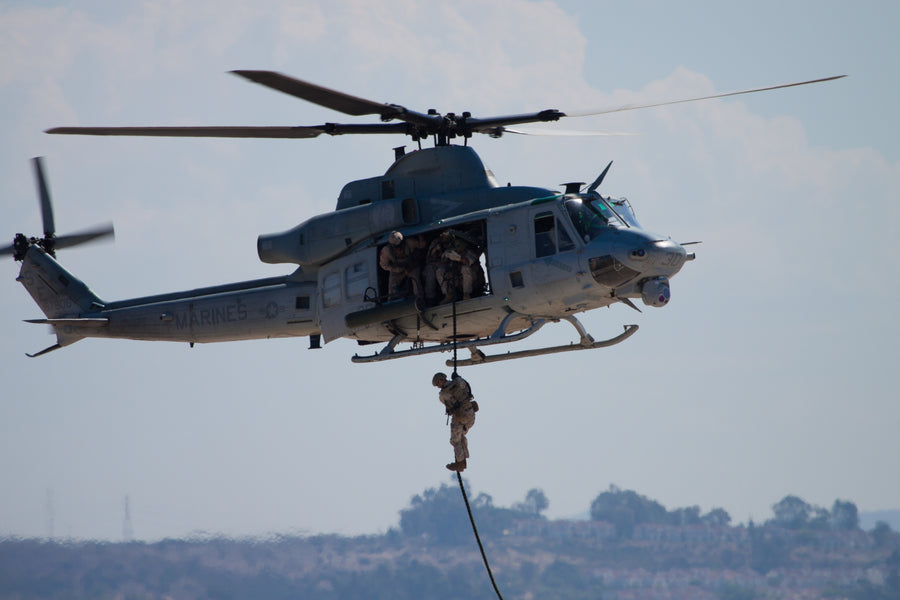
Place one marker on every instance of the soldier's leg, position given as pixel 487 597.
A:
pixel 458 441
pixel 468 282
pixel 431 282
pixel 467 421
pixel 395 280
pixel 445 277
pixel 415 277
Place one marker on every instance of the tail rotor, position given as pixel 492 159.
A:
pixel 50 242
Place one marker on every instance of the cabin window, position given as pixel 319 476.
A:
pixel 302 303
pixel 331 290
pixel 410 211
pixel 544 234
pixel 515 279
pixel 356 279
pixel 387 189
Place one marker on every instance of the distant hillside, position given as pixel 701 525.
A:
pixel 531 558
pixel 632 547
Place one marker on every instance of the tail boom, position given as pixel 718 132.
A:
pixel 61 296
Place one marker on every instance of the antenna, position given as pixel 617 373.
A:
pixel 127 530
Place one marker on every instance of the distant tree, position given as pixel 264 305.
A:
pixel 438 515
pixel 881 533
pixel 768 550
pixel 534 504
pixel 684 516
pixel 717 517
pixel 483 500
pixel 624 520
pixel 791 512
pixel 625 509
pixel 820 518
pixel 844 515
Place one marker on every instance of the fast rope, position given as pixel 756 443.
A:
pixel 462 488
pixel 454 340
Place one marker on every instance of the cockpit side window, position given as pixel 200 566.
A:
pixel 544 234
pixel 588 223
pixel 550 237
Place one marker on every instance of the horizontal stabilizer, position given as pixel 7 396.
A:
pixel 92 323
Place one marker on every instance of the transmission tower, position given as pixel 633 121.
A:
pixel 127 530
pixel 51 514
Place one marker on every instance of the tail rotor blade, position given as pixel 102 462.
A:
pixel 44 193
pixel 86 235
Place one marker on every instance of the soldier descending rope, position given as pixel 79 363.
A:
pixel 456 396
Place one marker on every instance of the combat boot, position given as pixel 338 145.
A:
pixel 458 466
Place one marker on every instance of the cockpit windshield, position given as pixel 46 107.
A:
pixel 590 219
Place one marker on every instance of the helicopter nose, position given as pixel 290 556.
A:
pixel 658 256
pixel 635 257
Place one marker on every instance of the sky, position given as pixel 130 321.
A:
pixel 770 372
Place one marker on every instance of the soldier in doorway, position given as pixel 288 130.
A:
pixel 452 265
pixel 401 258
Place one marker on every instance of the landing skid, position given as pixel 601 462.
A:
pixel 498 337
pixel 478 357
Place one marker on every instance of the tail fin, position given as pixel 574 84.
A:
pixel 60 295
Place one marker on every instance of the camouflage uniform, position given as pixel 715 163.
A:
pixel 456 396
pixel 450 264
pixel 433 259
pixel 402 260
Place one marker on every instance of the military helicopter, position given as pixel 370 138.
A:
pixel 535 256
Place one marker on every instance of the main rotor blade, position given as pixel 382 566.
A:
pixel 490 124
pixel 323 96
pixel 240 132
pixel 335 100
pixel 6 250
pixel 562 132
pixel 44 195
pixel 588 113
pixel 215 132
pixel 86 235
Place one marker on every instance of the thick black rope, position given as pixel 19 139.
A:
pixel 462 488
pixel 454 340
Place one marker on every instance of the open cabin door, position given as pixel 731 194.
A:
pixel 342 287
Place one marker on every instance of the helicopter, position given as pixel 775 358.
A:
pixel 533 256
